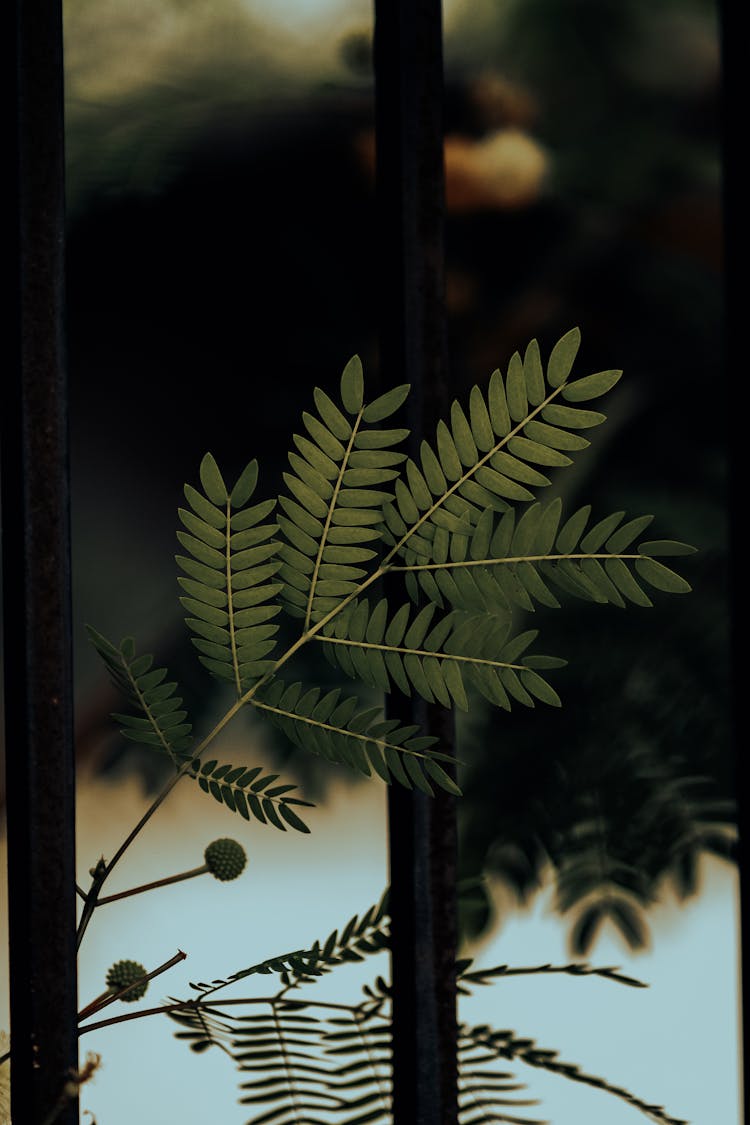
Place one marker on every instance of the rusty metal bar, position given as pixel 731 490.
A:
pixel 36 580
pixel 422 830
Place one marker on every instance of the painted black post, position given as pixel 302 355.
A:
pixel 36 576
pixel 422 830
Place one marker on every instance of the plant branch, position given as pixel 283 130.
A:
pixel 202 1005
pixel 98 875
pixel 108 997
pixel 157 883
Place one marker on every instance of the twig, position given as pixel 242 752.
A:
pixel 157 883
pixel 109 997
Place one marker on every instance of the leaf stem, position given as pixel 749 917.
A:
pixel 109 997
pixel 201 1005
pixel 157 883
pixel 329 517
pixel 420 652
pixel 518 559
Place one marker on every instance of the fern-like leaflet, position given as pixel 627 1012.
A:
pixel 435 660
pixel 336 496
pixel 251 793
pixel 360 937
pixel 229 590
pixel 484 1044
pixel 511 564
pixel 363 740
pixel 320 1062
pixel 161 723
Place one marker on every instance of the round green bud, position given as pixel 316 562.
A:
pixel 225 859
pixel 124 973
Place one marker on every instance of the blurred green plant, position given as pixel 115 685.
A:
pixel 474 547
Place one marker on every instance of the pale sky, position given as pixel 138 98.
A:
pixel 674 1044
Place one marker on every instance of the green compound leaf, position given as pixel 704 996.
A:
pixel 490 458
pixel 438 661
pixel 237 787
pixel 339 481
pixel 335 729
pixel 228 591
pixel 508 564
pixel 160 722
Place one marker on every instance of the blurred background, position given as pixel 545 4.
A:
pixel 221 264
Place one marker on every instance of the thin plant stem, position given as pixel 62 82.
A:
pixel 203 1005
pixel 110 997
pixel 157 883
pixel 98 875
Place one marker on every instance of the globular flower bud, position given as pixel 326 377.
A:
pixel 225 859
pixel 124 973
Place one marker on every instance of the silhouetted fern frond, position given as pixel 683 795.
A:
pixel 506 1045
pixel 161 723
pixel 322 1062
pixel 251 793
pixel 304 1065
pixel 467 977
pixel 360 937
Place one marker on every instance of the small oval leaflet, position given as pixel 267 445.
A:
pixel 562 356
pixel 661 577
pixel 592 386
pixel 212 480
pixel 352 385
pixel 245 486
pixel 386 404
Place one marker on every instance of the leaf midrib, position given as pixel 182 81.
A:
pixel 421 652
pixel 329 517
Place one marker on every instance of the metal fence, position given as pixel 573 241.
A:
pixel 36 564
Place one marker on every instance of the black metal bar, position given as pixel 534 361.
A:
pixel 422 830
pixel 36 580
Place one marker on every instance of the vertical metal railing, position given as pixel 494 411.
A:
pixel 422 830
pixel 36 580
pixel 37 635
